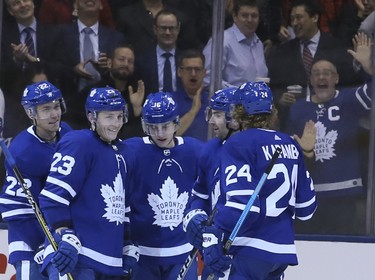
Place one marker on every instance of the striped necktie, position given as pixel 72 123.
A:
pixel 307 58
pixel 29 41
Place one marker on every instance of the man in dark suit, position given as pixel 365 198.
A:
pixel 290 63
pixel 151 64
pixel 136 22
pixel 83 48
pixel 25 40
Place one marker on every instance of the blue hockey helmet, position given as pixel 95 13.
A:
pixel 255 97
pixel 106 99
pixel 160 107
pixel 41 93
pixel 221 101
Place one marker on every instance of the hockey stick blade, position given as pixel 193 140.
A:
pixel 38 214
pixel 249 204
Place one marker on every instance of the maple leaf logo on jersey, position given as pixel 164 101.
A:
pixel 325 142
pixel 115 201
pixel 216 191
pixel 215 194
pixel 169 208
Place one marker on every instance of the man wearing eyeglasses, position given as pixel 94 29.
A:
pixel 157 65
pixel 190 96
pixel 339 157
pixel 290 63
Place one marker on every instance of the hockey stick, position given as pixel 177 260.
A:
pixel 189 260
pixel 248 206
pixel 38 214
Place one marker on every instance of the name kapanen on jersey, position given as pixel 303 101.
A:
pixel 289 151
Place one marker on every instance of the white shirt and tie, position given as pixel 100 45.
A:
pixel 161 60
pixel 89 50
pixel 28 37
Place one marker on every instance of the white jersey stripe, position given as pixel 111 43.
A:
pixel 17 212
pixel 19 246
pixel 62 184
pixel 357 183
pixel 9 201
pixel 104 259
pixel 54 197
pixel 165 252
pixel 265 245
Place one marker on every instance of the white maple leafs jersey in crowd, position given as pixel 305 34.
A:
pixel 337 162
pixel 85 188
pixel 159 183
pixel 206 188
pixel 288 192
pixel 33 158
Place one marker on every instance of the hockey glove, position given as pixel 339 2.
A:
pixel 213 252
pixel 66 256
pixel 194 223
pixel 130 257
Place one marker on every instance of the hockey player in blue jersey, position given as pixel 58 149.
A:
pixel 264 245
pixel 32 150
pixel 161 171
pixel 206 188
pixel 84 199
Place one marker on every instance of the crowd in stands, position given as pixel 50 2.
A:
pixel 145 46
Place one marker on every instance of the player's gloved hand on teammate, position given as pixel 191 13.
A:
pixel 213 251
pixel 66 256
pixel 194 223
pixel 130 257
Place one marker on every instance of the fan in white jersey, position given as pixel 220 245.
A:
pixel 84 200
pixel 264 245
pixel 32 150
pixel 161 171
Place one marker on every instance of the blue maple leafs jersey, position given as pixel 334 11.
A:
pixel 337 162
pixel 206 188
pixel 268 231
pixel 33 158
pixel 85 191
pixel 159 183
